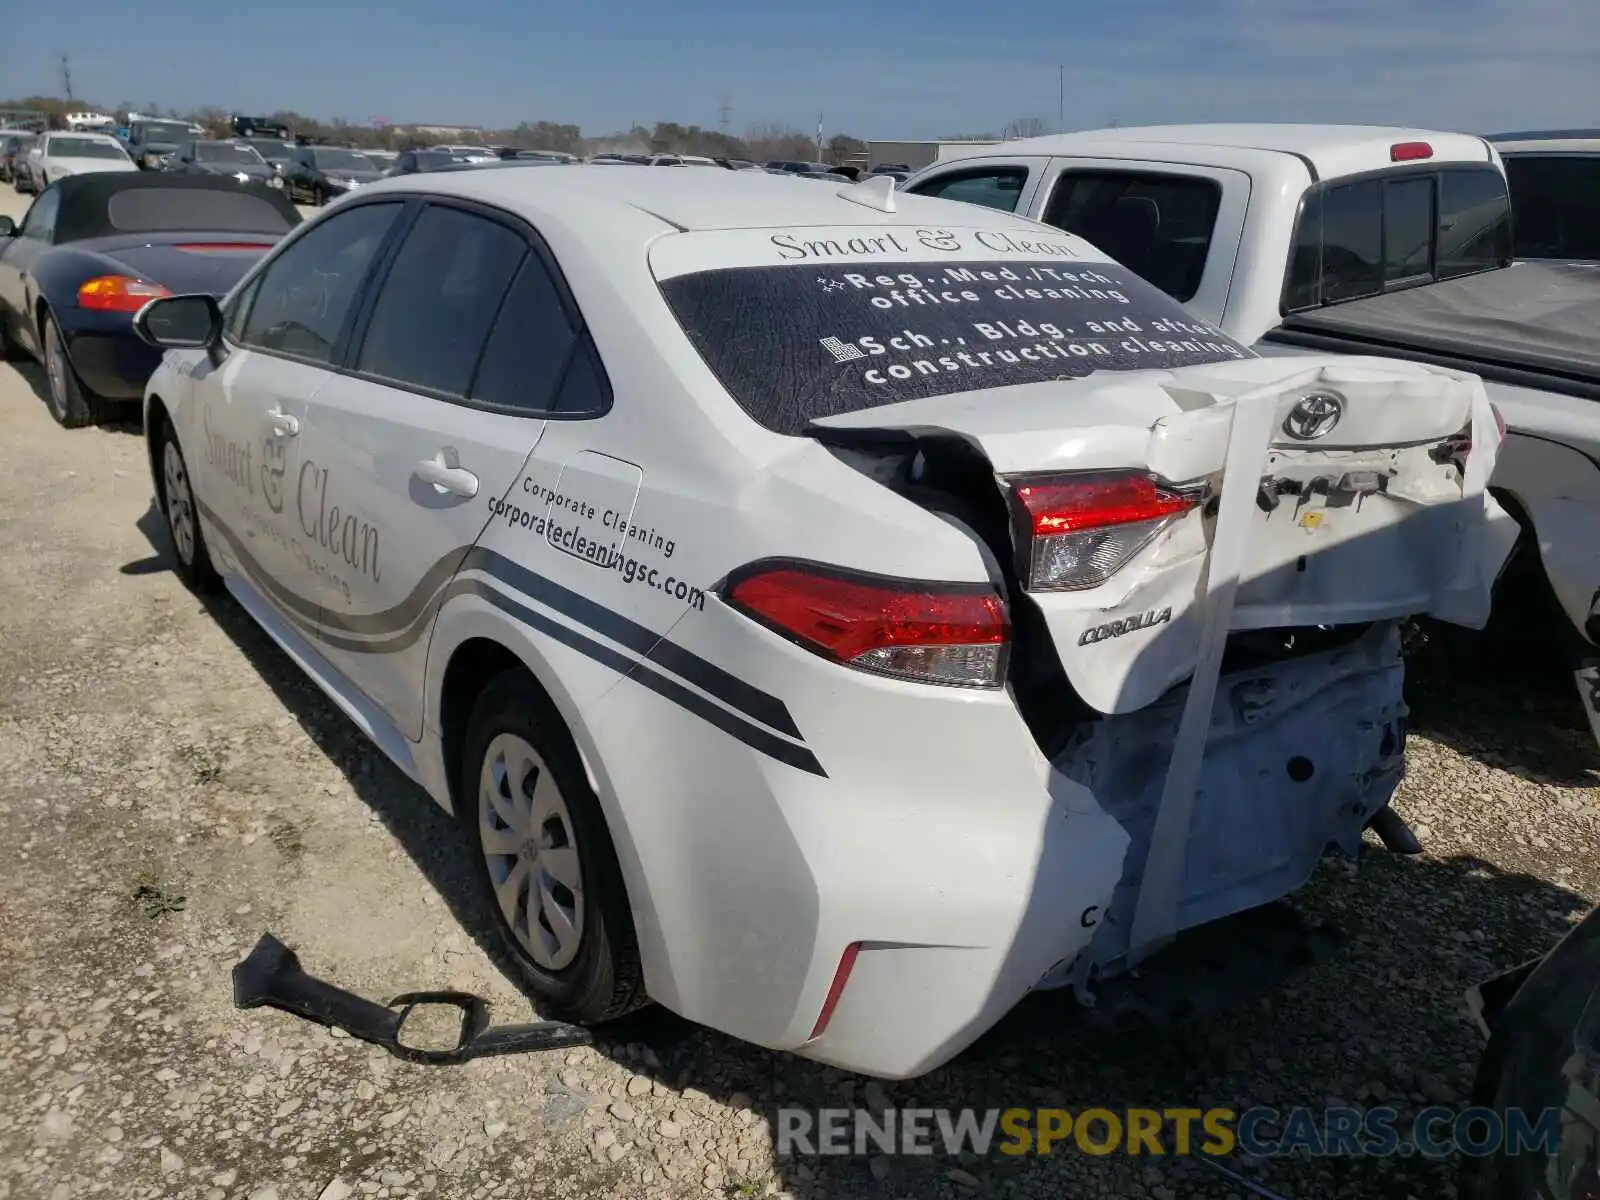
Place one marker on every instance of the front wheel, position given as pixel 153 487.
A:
pixel 183 520
pixel 544 856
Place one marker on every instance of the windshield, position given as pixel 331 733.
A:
pixel 82 147
pixel 227 152
pixel 270 147
pixel 805 324
pixel 164 131
pixel 342 160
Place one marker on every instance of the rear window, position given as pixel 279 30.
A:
pixel 1373 235
pixel 827 322
pixel 1555 199
pixel 159 210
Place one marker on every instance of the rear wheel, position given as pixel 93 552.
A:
pixel 183 520
pixel 70 403
pixel 544 856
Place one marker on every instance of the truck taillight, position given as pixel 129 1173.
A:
pixel 955 634
pixel 1082 529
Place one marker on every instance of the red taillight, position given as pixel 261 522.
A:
pixel 1082 529
pixel 118 293
pixel 847 962
pixel 1409 151
pixel 932 633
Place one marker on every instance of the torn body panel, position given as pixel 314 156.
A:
pixel 1298 756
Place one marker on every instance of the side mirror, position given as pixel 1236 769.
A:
pixel 180 322
pixel 8 227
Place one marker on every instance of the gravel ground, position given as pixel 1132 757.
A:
pixel 170 788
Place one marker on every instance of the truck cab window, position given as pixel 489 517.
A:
pixel 993 187
pixel 1555 197
pixel 1158 226
pixel 1361 238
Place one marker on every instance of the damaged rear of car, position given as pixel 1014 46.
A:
pixel 1195 564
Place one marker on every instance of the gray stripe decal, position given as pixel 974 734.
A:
pixel 420 607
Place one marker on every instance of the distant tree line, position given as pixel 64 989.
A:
pixel 762 143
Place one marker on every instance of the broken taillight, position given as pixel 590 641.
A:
pixel 945 633
pixel 1082 529
pixel 1456 447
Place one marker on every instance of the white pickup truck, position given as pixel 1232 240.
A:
pixel 1360 240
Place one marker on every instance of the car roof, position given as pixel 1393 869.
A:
pixel 690 200
pixel 1559 141
pixel 1332 149
pixel 85 199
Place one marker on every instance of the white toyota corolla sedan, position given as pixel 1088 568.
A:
pixel 833 614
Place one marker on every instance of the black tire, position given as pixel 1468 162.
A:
pixel 70 403
pixel 319 195
pixel 175 496
pixel 604 980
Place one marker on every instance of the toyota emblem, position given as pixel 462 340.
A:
pixel 1313 416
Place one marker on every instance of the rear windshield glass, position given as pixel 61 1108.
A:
pixel 159 209
pixel 1555 198
pixel 164 131
pixel 226 152
pixel 818 338
pixel 341 160
pixel 74 147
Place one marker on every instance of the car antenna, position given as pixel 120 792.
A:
pixel 876 193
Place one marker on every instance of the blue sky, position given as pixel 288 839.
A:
pixel 895 68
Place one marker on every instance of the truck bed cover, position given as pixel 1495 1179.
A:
pixel 1532 324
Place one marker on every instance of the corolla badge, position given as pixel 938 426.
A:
pixel 1313 416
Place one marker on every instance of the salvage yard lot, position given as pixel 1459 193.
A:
pixel 170 787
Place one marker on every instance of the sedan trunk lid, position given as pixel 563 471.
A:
pixel 1363 481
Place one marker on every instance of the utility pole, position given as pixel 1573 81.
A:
pixel 66 76
pixel 1061 98
pixel 819 137
pixel 726 113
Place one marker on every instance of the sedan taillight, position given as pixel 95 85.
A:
pixel 118 293
pixel 1082 529
pixel 954 634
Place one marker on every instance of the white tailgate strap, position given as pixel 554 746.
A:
pixel 1254 420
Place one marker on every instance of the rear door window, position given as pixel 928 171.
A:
pixel 803 324
pixel 993 187
pixel 1556 199
pixel 1156 224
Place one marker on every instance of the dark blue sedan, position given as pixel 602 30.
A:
pixel 94 249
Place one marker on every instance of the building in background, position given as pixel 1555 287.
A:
pixel 913 156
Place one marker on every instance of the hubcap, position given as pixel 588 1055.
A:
pixel 530 851
pixel 55 365
pixel 180 504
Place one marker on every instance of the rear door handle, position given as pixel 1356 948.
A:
pixel 283 424
pixel 445 472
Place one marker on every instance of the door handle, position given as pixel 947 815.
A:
pixel 445 472
pixel 283 424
